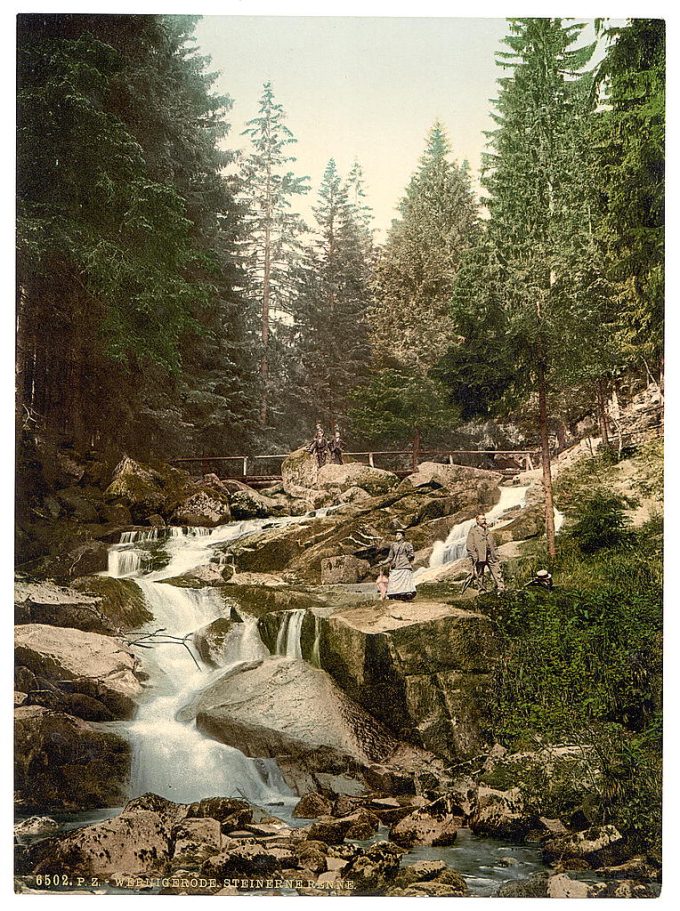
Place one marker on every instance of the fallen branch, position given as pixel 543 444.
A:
pixel 167 639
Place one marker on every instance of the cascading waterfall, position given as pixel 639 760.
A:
pixel 453 548
pixel 288 640
pixel 172 757
pixel 315 658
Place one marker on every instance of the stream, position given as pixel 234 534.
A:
pixel 174 759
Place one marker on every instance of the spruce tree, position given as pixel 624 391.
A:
pixel 272 244
pixel 416 269
pixel 532 175
pixel 330 334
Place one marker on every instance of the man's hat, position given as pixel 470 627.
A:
pixel 542 574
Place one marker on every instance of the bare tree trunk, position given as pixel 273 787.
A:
pixel 416 449
pixel 602 413
pixel 545 458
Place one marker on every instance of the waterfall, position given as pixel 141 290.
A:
pixel 288 639
pixel 140 536
pixel 126 562
pixel 315 658
pixel 454 547
pixel 171 757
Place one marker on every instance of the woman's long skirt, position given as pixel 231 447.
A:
pixel 401 585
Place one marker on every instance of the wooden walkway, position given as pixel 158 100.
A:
pixel 265 470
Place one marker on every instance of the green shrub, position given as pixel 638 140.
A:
pixel 601 522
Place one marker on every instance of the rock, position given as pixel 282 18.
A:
pixel 97 666
pixel 597 846
pixel 231 813
pixel 436 474
pixel 86 558
pixel 255 579
pixel 36 825
pixel 120 600
pixel 194 841
pixel 428 878
pixel 116 514
pixel 145 490
pixel 77 504
pixel 562 886
pixel 534 886
pixel 373 871
pixel 248 504
pixel 202 509
pixel 553 826
pixel 311 855
pixel 214 640
pixel 433 824
pixel 249 860
pixel 135 843
pixel 635 868
pixel 343 570
pixel 48 603
pixel 285 707
pixel 500 814
pixel 61 762
pixel 423 668
pixel 268 551
pixel 299 473
pixel 553 780
pixel 354 495
pixel 156 521
pixel 312 805
pixel 339 478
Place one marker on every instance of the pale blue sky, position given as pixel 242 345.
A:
pixel 364 87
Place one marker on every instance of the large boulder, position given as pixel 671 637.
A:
pixel 248 504
pixel 436 824
pixel 340 478
pixel 203 508
pixel 120 601
pixel 424 669
pixel 343 570
pixel 451 477
pixel 213 641
pixel 299 473
pixel 500 814
pixel 554 780
pixel 99 667
pixel 46 602
pixel 283 707
pixel 98 604
pixel 597 846
pixel 145 490
pixel 62 762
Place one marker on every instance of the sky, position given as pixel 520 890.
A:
pixel 365 88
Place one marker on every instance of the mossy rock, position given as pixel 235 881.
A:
pixel 121 600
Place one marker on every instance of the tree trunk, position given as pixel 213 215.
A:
pixel 416 449
pixel 602 413
pixel 545 457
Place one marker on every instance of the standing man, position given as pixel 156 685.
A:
pixel 335 448
pixel 401 556
pixel 319 446
pixel 481 549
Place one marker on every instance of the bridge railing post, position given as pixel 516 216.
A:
pixel 370 460
pixel 245 466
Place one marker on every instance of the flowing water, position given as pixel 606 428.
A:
pixel 172 757
pixel 453 548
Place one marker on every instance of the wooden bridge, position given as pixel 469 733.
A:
pixel 265 470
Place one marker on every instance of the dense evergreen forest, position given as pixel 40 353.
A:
pixel 172 301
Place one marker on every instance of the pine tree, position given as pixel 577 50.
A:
pixel 272 244
pixel 331 349
pixel 629 137
pixel 416 269
pixel 532 176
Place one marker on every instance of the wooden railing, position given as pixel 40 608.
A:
pixel 402 460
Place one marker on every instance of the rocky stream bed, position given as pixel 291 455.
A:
pixel 210 699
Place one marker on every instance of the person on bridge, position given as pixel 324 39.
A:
pixel 481 549
pixel 335 448
pixel 319 446
pixel 400 560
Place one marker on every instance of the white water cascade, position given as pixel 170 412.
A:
pixel 453 548
pixel 288 641
pixel 171 757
